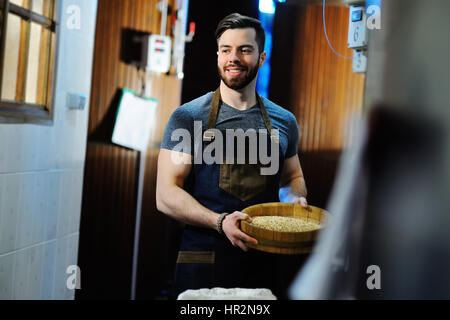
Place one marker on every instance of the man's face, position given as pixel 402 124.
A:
pixel 238 58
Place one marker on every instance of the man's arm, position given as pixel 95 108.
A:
pixel 173 200
pixel 292 181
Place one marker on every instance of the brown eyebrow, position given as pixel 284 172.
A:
pixel 240 47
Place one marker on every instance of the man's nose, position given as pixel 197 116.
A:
pixel 234 56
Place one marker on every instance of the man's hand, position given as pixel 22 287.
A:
pixel 292 183
pixel 286 195
pixel 302 201
pixel 230 227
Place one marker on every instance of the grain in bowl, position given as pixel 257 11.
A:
pixel 283 224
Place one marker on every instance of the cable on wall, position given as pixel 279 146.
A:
pixel 326 35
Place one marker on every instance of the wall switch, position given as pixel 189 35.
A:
pixel 76 101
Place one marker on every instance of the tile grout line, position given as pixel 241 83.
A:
pixel 43 170
pixel 37 244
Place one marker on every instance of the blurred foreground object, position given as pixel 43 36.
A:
pixel 389 213
pixel 227 294
pixel 390 202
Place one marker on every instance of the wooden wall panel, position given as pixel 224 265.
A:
pixel 159 234
pixel 111 172
pixel 318 87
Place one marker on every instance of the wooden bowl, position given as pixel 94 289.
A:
pixel 284 242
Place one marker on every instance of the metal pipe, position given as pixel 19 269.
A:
pixel 164 5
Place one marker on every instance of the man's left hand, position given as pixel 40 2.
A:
pixel 302 201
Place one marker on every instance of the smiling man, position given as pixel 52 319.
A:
pixel 238 73
pixel 208 197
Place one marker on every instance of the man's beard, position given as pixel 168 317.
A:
pixel 239 82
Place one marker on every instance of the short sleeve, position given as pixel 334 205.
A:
pixel 293 137
pixel 178 134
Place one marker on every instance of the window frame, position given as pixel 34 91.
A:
pixel 23 112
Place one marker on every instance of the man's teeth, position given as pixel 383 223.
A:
pixel 235 71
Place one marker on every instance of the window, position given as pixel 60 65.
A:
pixel 27 49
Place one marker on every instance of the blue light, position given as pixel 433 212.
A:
pixel 267 6
pixel 262 83
pixel 373 3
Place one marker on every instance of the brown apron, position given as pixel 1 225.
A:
pixel 243 181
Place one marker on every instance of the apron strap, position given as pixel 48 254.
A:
pixel 208 135
pixel 214 110
pixel 266 119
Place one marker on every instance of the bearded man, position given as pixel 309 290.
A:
pixel 209 197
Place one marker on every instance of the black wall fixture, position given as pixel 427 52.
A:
pixel 133 49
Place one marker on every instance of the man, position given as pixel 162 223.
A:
pixel 209 195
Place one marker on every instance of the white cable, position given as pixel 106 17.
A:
pixel 326 35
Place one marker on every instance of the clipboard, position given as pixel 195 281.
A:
pixel 135 120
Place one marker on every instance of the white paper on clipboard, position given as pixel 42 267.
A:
pixel 134 121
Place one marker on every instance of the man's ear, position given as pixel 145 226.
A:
pixel 262 58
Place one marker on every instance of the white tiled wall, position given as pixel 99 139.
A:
pixel 41 177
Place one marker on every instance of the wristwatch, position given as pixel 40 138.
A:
pixel 220 221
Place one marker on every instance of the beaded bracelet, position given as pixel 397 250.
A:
pixel 220 221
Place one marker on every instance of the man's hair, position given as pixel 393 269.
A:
pixel 238 21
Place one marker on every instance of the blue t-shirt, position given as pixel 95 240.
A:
pixel 232 118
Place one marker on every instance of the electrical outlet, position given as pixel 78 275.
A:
pixel 359 61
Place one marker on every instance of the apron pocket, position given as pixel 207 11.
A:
pixel 243 181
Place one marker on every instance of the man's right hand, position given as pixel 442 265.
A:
pixel 230 226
